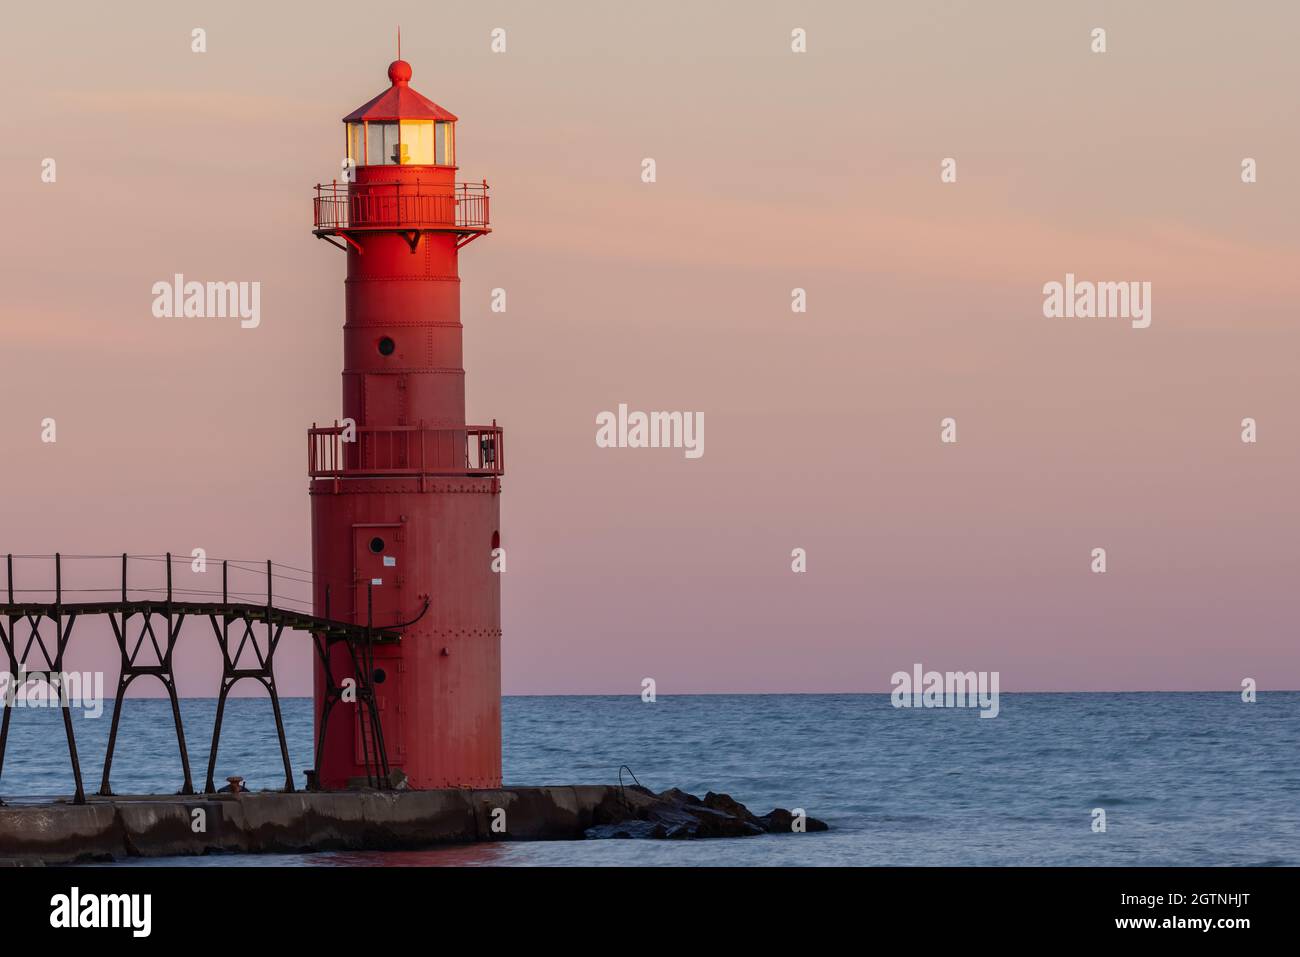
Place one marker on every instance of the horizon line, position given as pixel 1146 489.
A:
pixel 740 694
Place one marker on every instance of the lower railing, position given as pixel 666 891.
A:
pixel 371 450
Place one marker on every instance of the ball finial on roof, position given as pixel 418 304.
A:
pixel 399 72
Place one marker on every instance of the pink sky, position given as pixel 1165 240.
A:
pixel 775 171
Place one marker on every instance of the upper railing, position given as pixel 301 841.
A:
pixel 395 205
pixel 375 450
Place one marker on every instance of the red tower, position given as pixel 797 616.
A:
pixel 406 506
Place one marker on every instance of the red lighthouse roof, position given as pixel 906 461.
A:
pixel 399 102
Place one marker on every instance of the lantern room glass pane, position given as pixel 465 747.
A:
pixel 381 144
pixel 417 142
pixel 357 143
pixel 444 148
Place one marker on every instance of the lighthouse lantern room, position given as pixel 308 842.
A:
pixel 400 127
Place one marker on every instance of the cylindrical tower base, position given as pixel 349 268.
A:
pixel 438 689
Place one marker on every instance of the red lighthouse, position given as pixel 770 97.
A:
pixel 405 495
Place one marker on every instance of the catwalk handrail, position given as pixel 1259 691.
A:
pixel 294 620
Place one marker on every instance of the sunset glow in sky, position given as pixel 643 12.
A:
pixel 775 171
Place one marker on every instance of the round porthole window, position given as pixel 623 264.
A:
pixel 386 346
pixel 379 675
pixel 376 544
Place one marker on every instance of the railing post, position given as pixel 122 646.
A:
pixel 337 454
pixel 124 578
pixel 169 578
pixel 58 579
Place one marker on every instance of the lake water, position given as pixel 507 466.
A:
pixel 1185 779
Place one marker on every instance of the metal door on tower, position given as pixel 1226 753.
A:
pixel 383 399
pixel 378 574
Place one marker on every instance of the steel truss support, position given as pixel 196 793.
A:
pixel 131 668
pixel 51 673
pixel 263 672
pixel 361 655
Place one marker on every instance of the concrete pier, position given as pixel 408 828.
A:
pixel 60 832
